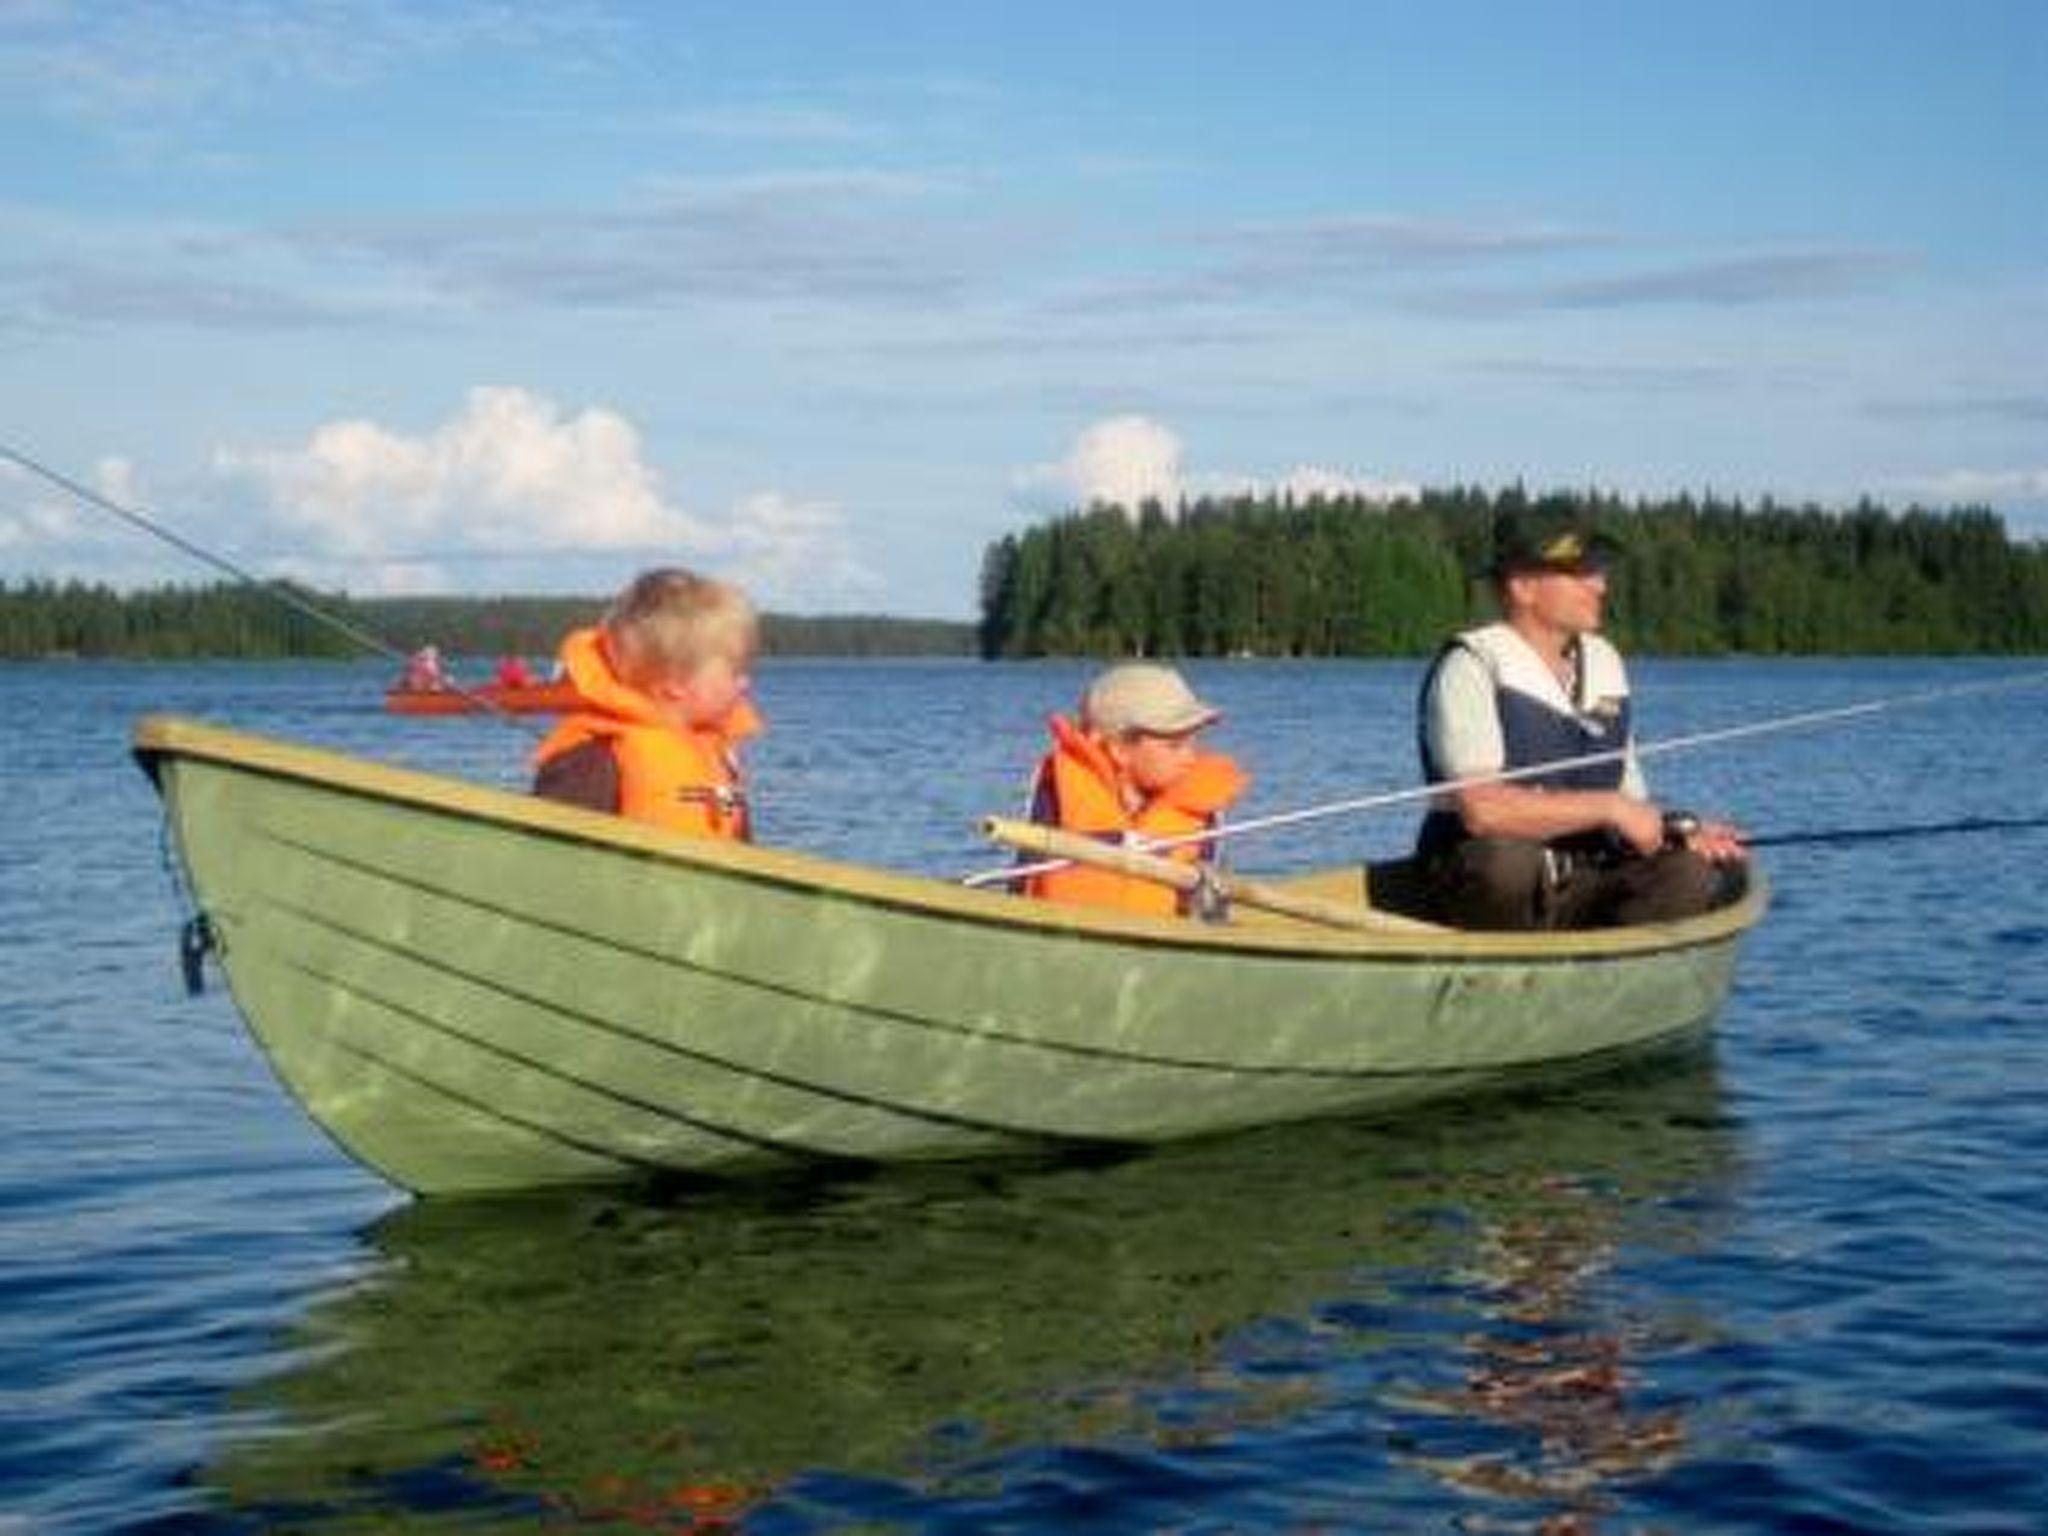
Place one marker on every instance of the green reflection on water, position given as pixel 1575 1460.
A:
pixel 671 1362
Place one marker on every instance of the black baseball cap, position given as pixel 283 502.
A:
pixel 1541 540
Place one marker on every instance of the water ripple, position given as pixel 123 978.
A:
pixel 1796 1284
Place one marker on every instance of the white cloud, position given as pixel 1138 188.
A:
pixel 117 480
pixel 792 553
pixel 1311 480
pixel 1123 461
pixel 512 477
pixel 512 485
pixel 511 468
pixel 1126 460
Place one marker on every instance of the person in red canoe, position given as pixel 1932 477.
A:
pixel 423 672
pixel 513 672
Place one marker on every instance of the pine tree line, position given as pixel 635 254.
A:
pixel 1267 576
pixel 235 620
pixel 170 623
pixel 1346 576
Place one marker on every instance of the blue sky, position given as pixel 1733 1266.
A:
pixel 495 297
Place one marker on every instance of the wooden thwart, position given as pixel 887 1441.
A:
pixel 1050 842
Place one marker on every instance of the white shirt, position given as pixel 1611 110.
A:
pixel 1461 721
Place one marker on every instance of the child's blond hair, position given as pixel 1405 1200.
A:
pixel 668 621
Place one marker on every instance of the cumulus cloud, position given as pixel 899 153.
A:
pixel 1120 461
pixel 515 475
pixel 1307 481
pixel 510 467
pixel 1126 460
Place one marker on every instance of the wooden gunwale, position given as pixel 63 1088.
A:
pixel 160 736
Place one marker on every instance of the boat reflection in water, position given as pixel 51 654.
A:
pixel 1544 1360
pixel 1434 1309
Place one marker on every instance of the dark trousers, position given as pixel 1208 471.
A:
pixel 1503 883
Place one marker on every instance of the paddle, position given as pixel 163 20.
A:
pixel 1029 837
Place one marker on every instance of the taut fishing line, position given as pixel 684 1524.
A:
pixel 368 639
pixel 1806 719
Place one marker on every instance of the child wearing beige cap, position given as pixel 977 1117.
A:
pixel 1128 768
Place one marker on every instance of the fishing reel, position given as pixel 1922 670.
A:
pixel 1680 828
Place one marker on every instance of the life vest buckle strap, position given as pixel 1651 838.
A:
pixel 1207 899
pixel 725 798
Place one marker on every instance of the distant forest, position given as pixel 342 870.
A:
pixel 1273 576
pixel 1260 576
pixel 228 620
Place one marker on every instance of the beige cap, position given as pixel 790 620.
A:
pixel 1143 696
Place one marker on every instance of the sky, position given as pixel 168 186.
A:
pixel 481 296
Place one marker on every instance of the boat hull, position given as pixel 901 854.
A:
pixel 473 990
pixel 496 698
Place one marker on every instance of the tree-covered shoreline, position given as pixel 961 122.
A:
pixel 1348 576
pixel 1235 576
pixel 239 621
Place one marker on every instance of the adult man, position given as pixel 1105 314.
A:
pixel 1577 843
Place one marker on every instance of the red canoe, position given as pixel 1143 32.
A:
pixel 524 699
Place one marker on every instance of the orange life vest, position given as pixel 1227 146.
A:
pixel 686 780
pixel 1078 789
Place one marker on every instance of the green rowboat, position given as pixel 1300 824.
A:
pixel 475 990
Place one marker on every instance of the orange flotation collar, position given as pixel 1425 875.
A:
pixel 1085 790
pixel 687 780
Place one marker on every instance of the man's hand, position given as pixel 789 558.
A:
pixel 1637 823
pixel 1718 842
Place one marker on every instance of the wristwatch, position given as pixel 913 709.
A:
pixel 1680 828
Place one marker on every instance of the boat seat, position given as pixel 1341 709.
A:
pixel 1389 889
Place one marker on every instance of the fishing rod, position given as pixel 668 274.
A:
pixel 369 639
pixel 1843 835
pixel 1805 719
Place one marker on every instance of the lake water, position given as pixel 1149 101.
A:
pixel 1796 1282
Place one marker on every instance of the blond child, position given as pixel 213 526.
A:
pixel 1129 768
pixel 663 679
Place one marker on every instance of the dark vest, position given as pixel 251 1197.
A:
pixel 1533 733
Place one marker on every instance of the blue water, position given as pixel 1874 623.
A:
pixel 1798 1281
